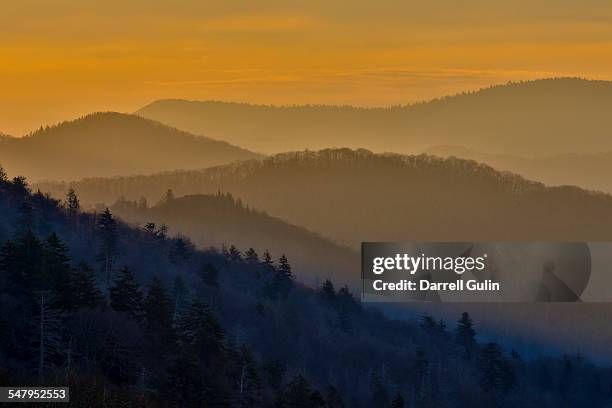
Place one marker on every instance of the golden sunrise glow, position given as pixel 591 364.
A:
pixel 66 58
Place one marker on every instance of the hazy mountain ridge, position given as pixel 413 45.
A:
pixel 344 194
pixel 220 220
pixel 549 116
pixel 110 143
pixel 588 171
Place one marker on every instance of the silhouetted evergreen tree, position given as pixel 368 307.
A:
pixel 251 256
pixel 199 330
pixel 496 372
pixel 465 335
pixel 19 186
pixel 21 261
pixel 157 308
pixel 73 205
pixel 284 268
pixel 58 272
pixel 267 259
pixel 125 294
pixel 234 254
pixel 85 292
pixel 345 299
pixel 282 280
pixel 181 251
pixel 433 327
pixel 158 323
pixel 429 324
pixel 107 229
pixel 327 291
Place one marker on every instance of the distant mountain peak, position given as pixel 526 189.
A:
pixel 526 118
pixel 555 82
pixel 113 144
pixel 103 119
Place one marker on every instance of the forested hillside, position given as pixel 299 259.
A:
pixel 110 144
pixel 355 195
pixel 133 317
pixel 221 220
pixel 549 116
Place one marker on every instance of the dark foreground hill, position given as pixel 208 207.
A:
pixel 104 144
pixel 590 171
pixel 132 317
pixel 544 117
pixel 355 195
pixel 220 220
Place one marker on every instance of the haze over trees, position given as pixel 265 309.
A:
pixel 355 195
pixel 543 117
pixel 221 220
pixel 590 171
pixel 179 327
pixel 107 144
pixel 352 196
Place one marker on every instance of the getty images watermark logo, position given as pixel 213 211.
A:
pixel 414 264
pixel 486 271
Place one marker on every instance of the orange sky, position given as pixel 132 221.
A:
pixel 64 58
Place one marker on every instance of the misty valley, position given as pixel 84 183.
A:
pixel 206 254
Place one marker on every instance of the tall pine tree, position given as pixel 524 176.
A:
pixel 158 308
pixel 199 330
pixel 465 335
pixel 58 271
pixel 107 229
pixel 125 294
pixel 282 280
pixel 85 292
